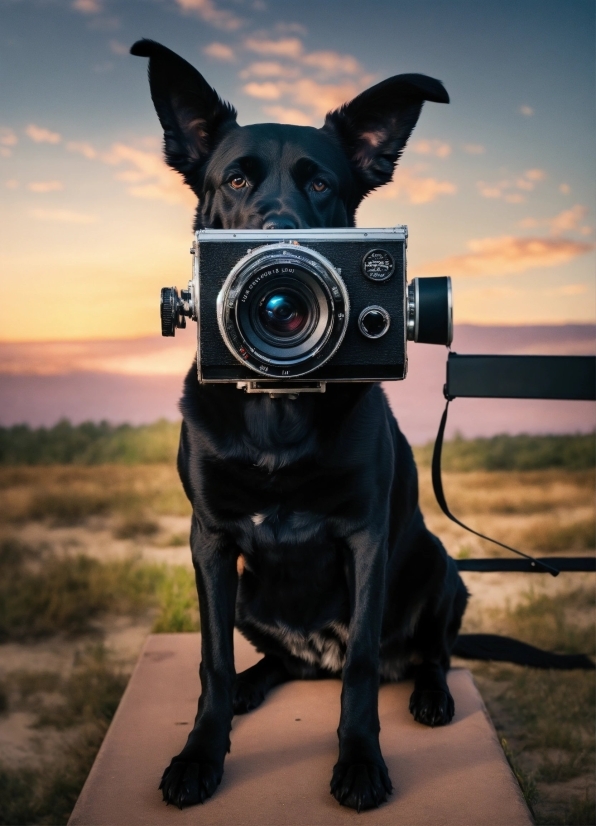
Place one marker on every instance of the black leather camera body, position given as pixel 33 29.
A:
pixel 282 309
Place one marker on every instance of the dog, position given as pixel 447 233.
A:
pixel 306 531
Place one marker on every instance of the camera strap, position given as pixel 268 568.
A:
pixel 440 496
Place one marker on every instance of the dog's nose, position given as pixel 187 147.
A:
pixel 280 222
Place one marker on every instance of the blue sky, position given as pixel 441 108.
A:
pixel 496 188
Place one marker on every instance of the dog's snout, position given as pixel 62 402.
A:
pixel 280 222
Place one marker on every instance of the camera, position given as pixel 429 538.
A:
pixel 287 309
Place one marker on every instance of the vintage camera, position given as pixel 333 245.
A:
pixel 283 310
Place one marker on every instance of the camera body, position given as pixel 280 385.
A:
pixel 292 308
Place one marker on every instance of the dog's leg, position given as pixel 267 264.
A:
pixel 194 774
pixel 360 778
pixel 431 702
pixel 253 684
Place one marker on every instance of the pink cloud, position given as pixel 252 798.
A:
pixel 63 216
pixel 83 148
pixel 286 47
pixel 474 148
pixel 88 6
pixel 506 255
pixel 41 135
pixel 431 147
pixel 219 51
pixel 148 175
pixel 210 13
pixel 45 186
pixel 413 188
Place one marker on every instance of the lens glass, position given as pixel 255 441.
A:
pixel 283 313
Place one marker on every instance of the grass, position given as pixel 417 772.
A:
pixel 89 444
pixel 545 502
pixel 551 535
pixel 46 794
pixel 523 452
pixel 96 444
pixel 68 495
pixel 545 719
pixel 547 511
pixel 43 594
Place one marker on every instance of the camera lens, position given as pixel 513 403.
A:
pixel 283 310
pixel 283 313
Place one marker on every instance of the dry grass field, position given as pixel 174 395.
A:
pixel 94 556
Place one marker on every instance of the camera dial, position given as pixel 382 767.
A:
pixel 173 309
pixel 374 321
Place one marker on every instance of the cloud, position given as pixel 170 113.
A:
pixel 83 148
pixel 525 110
pixel 474 148
pixel 306 94
pixel 208 11
pixel 507 255
pixel 63 216
pixel 41 135
pixel 270 68
pixel 264 91
pixel 283 114
pixel 431 147
pixel 148 356
pixel 307 84
pixel 220 51
pixel 11 183
pixel 286 47
pixel 116 47
pixel 567 221
pixel 569 289
pixel 333 63
pixel 148 176
pixel 414 189
pixel 88 6
pixel 526 182
pixel 565 189
pixel 45 186
pixel 8 137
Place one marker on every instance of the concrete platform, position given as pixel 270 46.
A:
pixel 278 771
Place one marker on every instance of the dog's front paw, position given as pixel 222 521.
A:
pixel 433 707
pixel 360 786
pixel 185 783
pixel 247 695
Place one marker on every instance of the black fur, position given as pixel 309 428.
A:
pixel 318 496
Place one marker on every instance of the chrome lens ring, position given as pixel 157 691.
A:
pixel 308 280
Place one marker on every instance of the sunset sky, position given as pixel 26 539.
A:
pixel 496 188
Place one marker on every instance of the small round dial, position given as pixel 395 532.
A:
pixel 374 321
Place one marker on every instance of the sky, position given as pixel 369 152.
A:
pixel 496 188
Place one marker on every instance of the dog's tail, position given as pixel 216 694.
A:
pixel 505 649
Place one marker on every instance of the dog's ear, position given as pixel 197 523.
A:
pixel 374 127
pixel 192 114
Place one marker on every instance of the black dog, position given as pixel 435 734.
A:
pixel 318 495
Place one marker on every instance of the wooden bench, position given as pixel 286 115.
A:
pixel 282 754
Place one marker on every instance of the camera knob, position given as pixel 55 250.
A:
pixel 374 321
pixel 168 309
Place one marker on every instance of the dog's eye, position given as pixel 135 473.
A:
pixel 318 185
pixel 238 182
